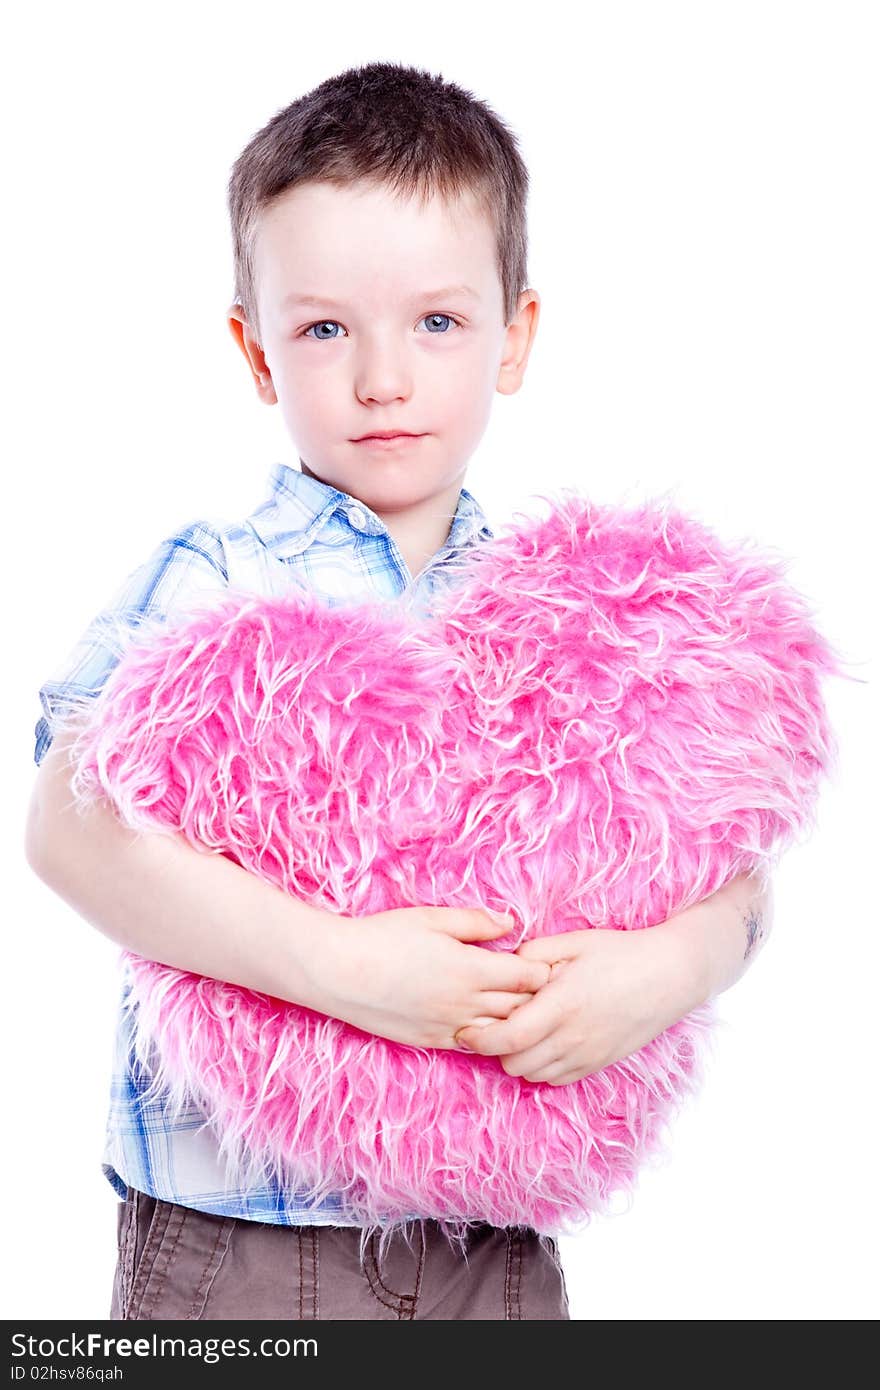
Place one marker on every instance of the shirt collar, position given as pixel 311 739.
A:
pixel 298 506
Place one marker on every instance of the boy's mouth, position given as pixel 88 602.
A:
pixel 387 438
pixel 385 434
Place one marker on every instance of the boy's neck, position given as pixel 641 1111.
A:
pixel 419 530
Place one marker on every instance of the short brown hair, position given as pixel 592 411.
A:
pixel 393 125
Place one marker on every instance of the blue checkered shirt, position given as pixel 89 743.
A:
pixel 304 533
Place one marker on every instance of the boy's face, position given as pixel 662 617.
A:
pixel 379 347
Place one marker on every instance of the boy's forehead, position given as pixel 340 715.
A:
pixel 315 239
pixel 373 199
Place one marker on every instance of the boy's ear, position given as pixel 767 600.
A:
pixel 520 334
pixel 241 332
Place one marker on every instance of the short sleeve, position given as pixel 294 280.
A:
pixel 185 565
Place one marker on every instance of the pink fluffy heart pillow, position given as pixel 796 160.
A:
pixel 608 716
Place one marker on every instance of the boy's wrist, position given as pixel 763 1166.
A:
pixel 687 961
pixel 712 942
pixel 316 951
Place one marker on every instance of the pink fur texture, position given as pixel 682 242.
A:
pixel 609 715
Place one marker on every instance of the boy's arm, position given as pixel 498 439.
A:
pixel 409 974
pixel 159 897
pixel 154 894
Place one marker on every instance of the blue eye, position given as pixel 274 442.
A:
pixel 331 323
pixel 447 317
pixel 325 323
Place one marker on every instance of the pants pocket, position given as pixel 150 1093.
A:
pixel 124 1256
pixel 534 1285
pixel 171 1260
pixel 395 1279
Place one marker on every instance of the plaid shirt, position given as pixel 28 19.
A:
pixel 304 533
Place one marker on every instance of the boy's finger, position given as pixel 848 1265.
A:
pixel 471 924
pixel 484 1038
pixel 523 1029
pixel 509 972
pixel 495 1004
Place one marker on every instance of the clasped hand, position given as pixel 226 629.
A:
pixel 554 1010
pixel 609 993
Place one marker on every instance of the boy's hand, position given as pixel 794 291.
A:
pixel 612 991
pixel 609 994
pixel 410 974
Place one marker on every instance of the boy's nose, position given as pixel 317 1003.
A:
pixel 384 375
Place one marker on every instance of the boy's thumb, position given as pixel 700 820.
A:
pixel 477 923
pixel 505 920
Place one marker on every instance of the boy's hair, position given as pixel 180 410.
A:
pixel 385 124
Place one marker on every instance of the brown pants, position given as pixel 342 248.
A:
pixel 176 1262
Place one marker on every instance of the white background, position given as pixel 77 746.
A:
pixel 704 235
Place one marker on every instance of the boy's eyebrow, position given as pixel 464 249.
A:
pixel 296 298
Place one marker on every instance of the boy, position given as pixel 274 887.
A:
pixel 394 202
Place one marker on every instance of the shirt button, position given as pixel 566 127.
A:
pixel 357 517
